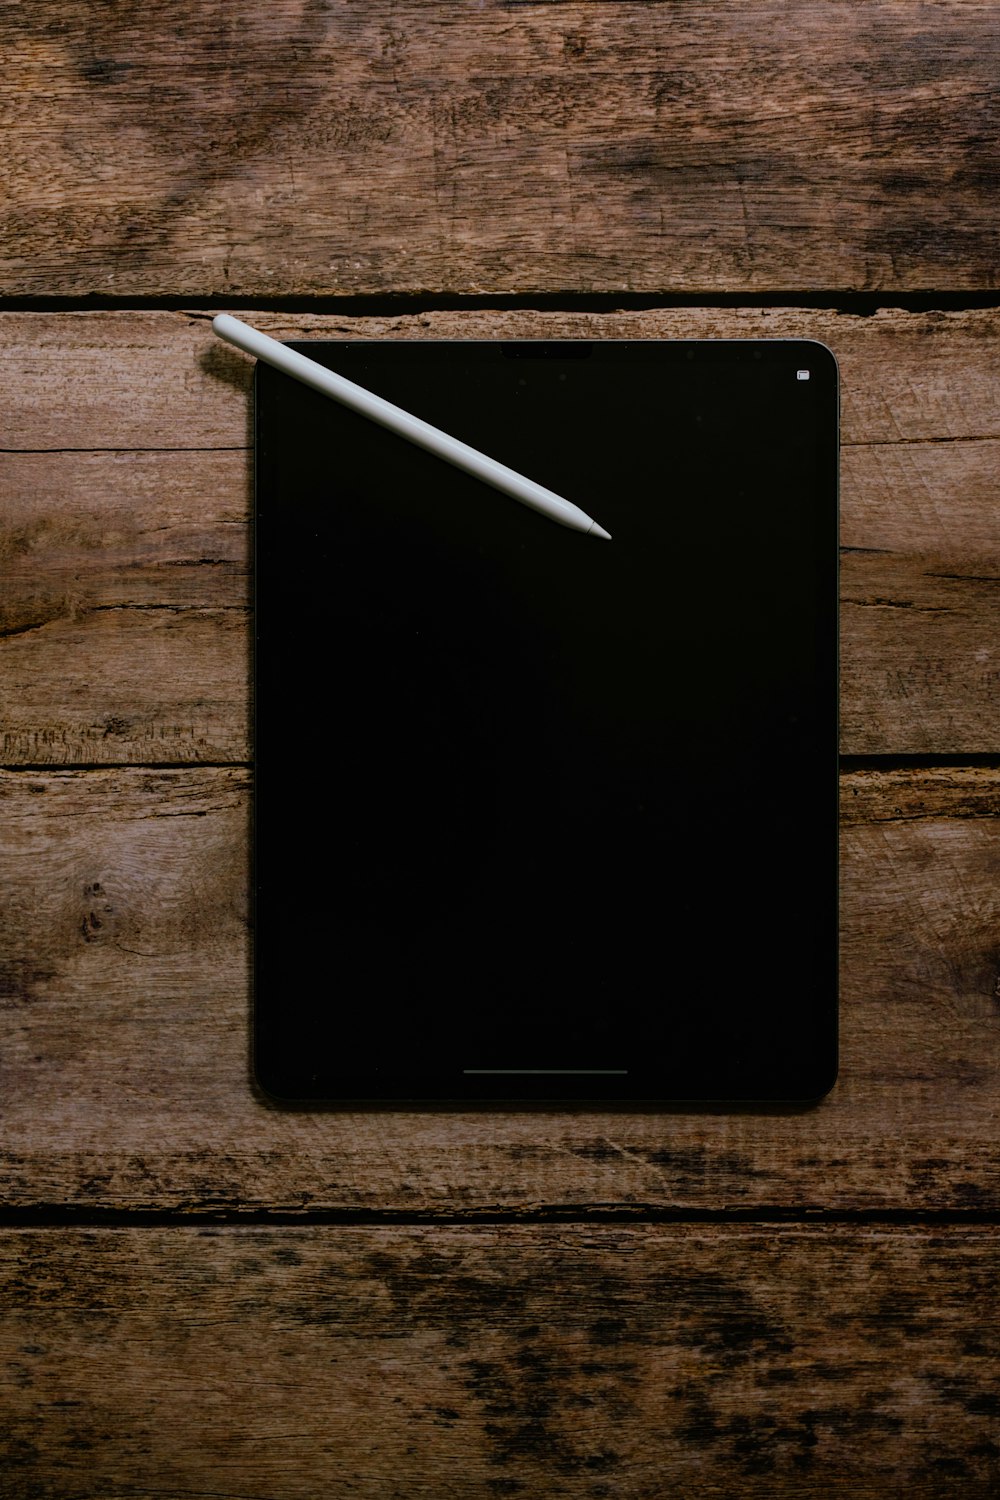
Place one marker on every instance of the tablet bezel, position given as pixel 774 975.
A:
pixel 304 1082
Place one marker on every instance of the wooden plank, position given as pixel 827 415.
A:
pixel 125 608
pixel 570 1360
pixel 872 796
pixel 129 530
pixel 123 938
pixel 148 380
pixel 126 570
pixel 396 147
pixel 157 683
pixel 920 648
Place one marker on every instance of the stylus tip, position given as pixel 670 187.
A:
pixel 596 530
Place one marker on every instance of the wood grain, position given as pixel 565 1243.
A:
pixel 479 1361
pixel 162 380
pixel 477 1302
pixel 402 147
pixel 125 1033
pixel 126 499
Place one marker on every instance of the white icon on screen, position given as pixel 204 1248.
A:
pixel 801 374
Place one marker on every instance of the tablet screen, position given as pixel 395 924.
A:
pixel 539 815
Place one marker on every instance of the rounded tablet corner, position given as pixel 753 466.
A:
pixel 824 355
pixel 822 1085
pixel 270 1088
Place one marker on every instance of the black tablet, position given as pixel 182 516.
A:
pixel 541 816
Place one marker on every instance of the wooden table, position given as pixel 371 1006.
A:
pixel 204 1294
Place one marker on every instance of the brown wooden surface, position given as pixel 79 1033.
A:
pixel 124 906
pixel 479 1302
pixel 569 1360
pixel 396 145
pixel 125 533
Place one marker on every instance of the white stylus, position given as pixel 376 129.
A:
pixel 407 426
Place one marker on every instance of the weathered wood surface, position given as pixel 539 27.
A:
pixel 148 380
pixel 398 147
pixel 577 1360
pixel 126 495
pixel 125 1074
pixel 403 147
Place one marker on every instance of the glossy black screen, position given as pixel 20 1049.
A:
pixel 539 815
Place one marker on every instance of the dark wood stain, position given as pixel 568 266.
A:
pixel 720 1367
